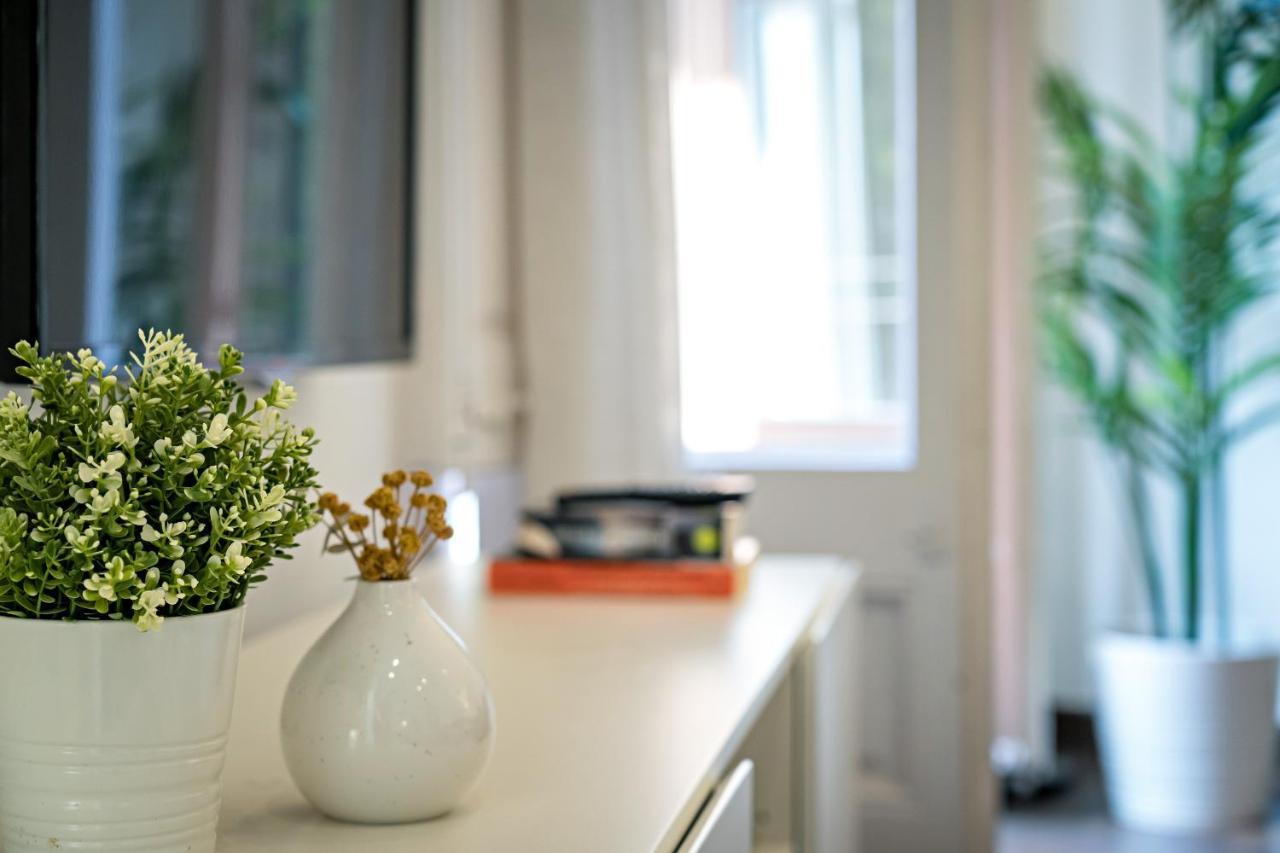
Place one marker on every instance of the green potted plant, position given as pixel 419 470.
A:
pixel 1163 253
pixel 138 506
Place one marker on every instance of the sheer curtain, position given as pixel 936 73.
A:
pixel 593 272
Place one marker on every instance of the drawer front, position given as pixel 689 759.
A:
pixel 724 824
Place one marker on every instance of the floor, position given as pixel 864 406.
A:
pixel 1076 820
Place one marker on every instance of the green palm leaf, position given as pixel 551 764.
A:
pixel 1157 258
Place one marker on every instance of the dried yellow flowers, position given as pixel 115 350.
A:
pixel 410 528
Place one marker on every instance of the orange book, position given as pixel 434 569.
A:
pixel 615 577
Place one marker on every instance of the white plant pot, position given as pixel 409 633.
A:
pixel 387 718
pixel 112 739
pixel 1187 734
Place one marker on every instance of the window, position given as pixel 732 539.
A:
pixel 791 143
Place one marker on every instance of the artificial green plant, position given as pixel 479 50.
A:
pixel 1144 282
pixel 159 490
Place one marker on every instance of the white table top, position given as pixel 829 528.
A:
pixel 615 716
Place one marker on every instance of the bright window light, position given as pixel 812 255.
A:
pixel 795 299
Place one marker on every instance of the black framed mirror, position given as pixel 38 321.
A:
pixel 239 170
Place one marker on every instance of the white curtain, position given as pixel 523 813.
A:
pixel 593 240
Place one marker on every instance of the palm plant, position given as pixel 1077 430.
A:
pixel 1162 254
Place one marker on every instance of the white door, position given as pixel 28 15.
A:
pixel 863 409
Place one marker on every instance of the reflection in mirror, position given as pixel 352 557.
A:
pixel 236 169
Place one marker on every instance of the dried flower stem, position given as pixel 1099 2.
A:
pixel 409 530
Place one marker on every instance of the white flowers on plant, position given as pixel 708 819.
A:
pixel 236 561
pixel 181 585
pixel 282 395
pixel 168 538
pixel 217 431
pixel 116 431
pixel 232 563
pixel 165 494
pixel 150 602
pixel 91 472
pixel 99 587
pixel 101 503
pixel 103 587
pixel 13 409
pixel 88 362
pixel 83 542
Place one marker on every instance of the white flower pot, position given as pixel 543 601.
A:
pixel 387 719
pixel 112 739
pixel 1187 734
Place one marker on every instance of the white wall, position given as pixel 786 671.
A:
pixel 1085 554
pixel 454 403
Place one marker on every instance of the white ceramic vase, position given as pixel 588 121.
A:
pixel 1187 734
pixel 112 740
pixel 387 718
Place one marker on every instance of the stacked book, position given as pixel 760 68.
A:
pixel 685 540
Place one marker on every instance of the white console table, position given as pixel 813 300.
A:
pixel 621 723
